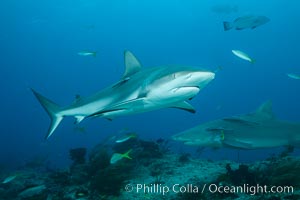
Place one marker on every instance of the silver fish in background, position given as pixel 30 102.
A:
pixel 243 55
pixel 293 76
pixel 87 53
pixel 32 192
pixel 256 130
pixel 245 22
pixel 9 179
pixel 224 9
pixel 126 137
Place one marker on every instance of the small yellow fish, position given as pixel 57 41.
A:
pixel 117 156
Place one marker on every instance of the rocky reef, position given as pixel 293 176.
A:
pixel 152 172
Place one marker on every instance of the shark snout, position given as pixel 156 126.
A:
pixel 202 78
pixel 207 75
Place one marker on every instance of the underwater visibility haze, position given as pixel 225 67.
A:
pixel 216 59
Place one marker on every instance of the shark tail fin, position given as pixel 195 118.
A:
pixel 227 26
pixel 53 111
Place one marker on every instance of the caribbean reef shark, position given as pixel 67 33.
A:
pixel 139 90
pixel 259 129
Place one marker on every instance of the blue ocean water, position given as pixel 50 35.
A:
pixel 40 41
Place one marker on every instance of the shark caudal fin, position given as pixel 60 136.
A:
pixel 53 111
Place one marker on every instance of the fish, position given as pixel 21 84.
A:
pixel 293 76
pixel 225 9
pixel 243 55
pixel 245 22
pixel 87 53
pixel 256 130
pixel 32 191
pixel 9 179
pixel 126 137
pixel 117 157
pixel 139 90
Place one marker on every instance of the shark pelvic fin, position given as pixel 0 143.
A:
pixel 53 111
pixel 184 106
pixel 132 65
pixel 79 118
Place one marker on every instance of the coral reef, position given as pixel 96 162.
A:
pixel 241 176
pixel 184 158
pixel 78 155
pixel 154 165
pixel 285 172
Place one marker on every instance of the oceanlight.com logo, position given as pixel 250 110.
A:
pixel 252 190
pixel 211 188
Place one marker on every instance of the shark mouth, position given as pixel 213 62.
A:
pixel 187 88
pixel 191 90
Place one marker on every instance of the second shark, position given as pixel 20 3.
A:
pixel 256 130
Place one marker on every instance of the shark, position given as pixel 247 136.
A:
pixel 256 130
pixel 140 89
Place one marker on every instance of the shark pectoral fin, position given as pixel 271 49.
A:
pixel 132 65
pixel 237 143
pixel 184 106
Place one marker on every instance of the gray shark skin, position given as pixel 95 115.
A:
pixel 256 130
pixel 139 90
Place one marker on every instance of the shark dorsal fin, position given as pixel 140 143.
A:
pixel 266 110
pixel 132 65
